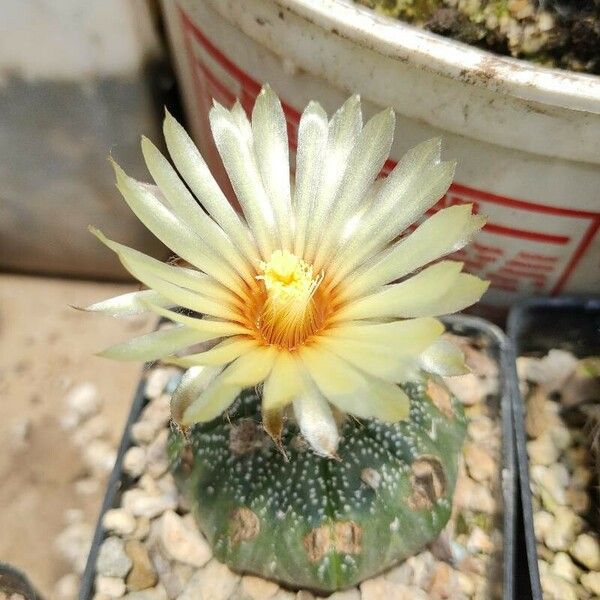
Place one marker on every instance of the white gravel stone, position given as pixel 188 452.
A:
pixel 119 521
pixel 157 381
pixel 158 411
pixel 563 566
pixel 382 589
pixel 113 587
pixel 73 543
pixel 347 595
pixel 144 432
pixel 134 461
pixel 257 588
pixel 566 527
pixel 479 541
pixel 548 480
pixel 480 464
pixel 67 587
pixel 403 573
pixel 474 496
pixel 88 486
pixel 142 504
pixel 99 456
pixel 155 593
pixel 92 429
pixel 591 582
pixel 18 434
pixel 213 582
pixel 543 522
pixel 551 372
pixel 83 401
pixel 423 566
pixel 469 389
pixel 586 550
pixel 112 559
pixel 182 542
pixel 543 450
pixel 156 455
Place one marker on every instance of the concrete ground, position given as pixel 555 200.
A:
pixel 46 348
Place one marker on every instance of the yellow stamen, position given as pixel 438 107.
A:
pixel 289 314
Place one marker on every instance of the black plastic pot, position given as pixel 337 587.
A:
pixel 490 336
pixel 535 327
pixel 12 581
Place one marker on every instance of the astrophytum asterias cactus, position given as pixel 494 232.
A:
pixel 311 298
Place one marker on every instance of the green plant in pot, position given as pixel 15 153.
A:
pixel 313 434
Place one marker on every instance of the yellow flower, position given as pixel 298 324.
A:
pixel 310 292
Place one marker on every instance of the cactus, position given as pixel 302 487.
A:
pixel 347 460
pixel 312 522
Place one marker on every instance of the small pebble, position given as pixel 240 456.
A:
pixel 142 504
pixel 563 567
pixel 83 401
pixel 112 559
pixel 183 542
pixel 119 521
pixel 142 574
pixel 67 587
pixel 586 550
pixel 99 456
pixel 480 464
pixel 113 587
pixel 347 595
pixel 214 582
pixel 256 588
pixel 543 450
pixel 156 381
pixel 566 527
pixel 591 582
pixel 134 461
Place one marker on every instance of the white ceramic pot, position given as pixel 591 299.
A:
pixel 527 139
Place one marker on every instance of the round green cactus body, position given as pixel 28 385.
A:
pixel 319 523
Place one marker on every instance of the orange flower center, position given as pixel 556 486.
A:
pixel 289 306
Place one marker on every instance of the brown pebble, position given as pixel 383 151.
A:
pixel 142 575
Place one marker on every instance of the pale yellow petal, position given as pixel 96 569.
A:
pixel 332 375
pixel 211 403
pixel 221 354
pixel 316 422
pixel 444 358
pixel 417 182
pixel 269 130
pixel 193 169
pixel 343 131
pixel 465 291
pixel 240 164
pixel 284 383
pixel 189 211
pixel 410 298
pixel 252 368
pixel 409 336
pixel 377 360
pixel 171 231
pixel 192 384
pixel 154 345
pixel 180 276
pixel 363 165
pixel 204 325
pixel 310 157
pixel 130 304
pixel 445 232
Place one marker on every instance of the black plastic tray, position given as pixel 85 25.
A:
pixel 499 348
pixel 12 581
pixel 535 327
